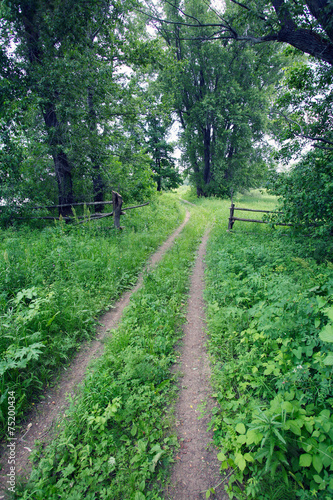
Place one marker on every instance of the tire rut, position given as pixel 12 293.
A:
pixel 41 423
pixel 196 467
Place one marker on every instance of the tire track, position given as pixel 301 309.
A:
pixel 196 467
pixel 41 422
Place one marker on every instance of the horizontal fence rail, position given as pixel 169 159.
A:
pixel 117 211
pixel 232 218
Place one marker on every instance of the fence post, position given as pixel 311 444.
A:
pixel 231 218
pixel 117 203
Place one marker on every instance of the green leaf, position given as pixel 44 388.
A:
pixel 240 461
pixel 317 478
pixel 134 429
pixel 286 405
pixel 221 457
pixel 305 460
pixel 240 428
pixel 328 361
pixel 321 301
pixel 329 312
pixel 248 457
pixel 326 334
pixel 317 463
pixel 253 436
pixel 294 427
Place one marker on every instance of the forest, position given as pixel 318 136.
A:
pixel 179 106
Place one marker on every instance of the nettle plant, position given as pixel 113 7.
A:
pixel 271 334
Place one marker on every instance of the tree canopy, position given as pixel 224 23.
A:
pixel 88 99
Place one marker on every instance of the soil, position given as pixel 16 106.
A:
pixel 196 467
pixel 41 423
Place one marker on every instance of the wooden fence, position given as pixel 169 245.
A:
pixel 117 211
pixel 232 218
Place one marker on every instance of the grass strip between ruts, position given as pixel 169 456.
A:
pixel 116 441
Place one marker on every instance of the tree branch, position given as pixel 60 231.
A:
pixel 306 136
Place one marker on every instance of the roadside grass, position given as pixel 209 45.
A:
pixel 115 441
pixel 270 322
pixel 55 281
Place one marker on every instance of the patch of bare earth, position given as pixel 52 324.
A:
pixel 196 468
pixel 40 424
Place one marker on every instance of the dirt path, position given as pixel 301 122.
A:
pixel 196 468
pixel 41 422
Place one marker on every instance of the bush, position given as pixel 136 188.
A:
pixel 306 195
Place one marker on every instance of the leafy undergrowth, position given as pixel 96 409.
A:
pixel 53 283
pixel 270 318
pixel 115 442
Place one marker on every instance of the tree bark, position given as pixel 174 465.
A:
pixel 62 165
pixel 207 156
pixel 98 183
pixel 306 40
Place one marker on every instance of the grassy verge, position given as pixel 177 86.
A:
pixel 115 442
pixel 55 281
pixel 270 320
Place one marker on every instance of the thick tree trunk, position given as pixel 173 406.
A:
pixel 35 55
pixel 62 165
pixel 65 185
pixel 200 191
pixel 306 40
pixel 207 175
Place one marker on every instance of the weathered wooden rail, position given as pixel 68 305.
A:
pixel 232 218
pixel 118 210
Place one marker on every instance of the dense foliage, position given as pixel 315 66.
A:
pixel 54 282
pixel 270 326
pixel 72 102
pixel 306 195
pixel 221 100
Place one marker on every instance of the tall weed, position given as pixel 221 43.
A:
pixel 55 281
pixel 270 317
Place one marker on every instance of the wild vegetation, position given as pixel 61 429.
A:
pixel 53 284
pixel 270 318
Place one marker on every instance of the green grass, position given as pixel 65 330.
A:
pixel 269 311
pixel 270 321
pixel 55 281
pixel 116 442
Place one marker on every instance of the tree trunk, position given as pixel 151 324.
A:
pixel 35 55
pixel 98 183
pixel 65 185
pixel 207 157
pixel 62 165
pixel 158 171
pixel 98 188
pixel 306 40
